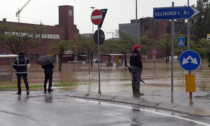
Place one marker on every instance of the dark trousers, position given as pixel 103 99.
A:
pixel 136 75
pixel 24 76
pixel 48 77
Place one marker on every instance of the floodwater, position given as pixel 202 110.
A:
pixel 115 78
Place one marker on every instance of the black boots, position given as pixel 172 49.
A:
pixel 136 90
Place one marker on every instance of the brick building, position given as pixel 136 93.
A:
pixel 65 30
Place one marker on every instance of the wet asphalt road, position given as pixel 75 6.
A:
pixel 58 109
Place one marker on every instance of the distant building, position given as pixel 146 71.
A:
pixel 149 25
pixel 87 35
pixel 130 29
pixel 65 30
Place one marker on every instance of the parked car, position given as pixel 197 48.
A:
pixel 96 61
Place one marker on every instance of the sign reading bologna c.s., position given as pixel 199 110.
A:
pixel 96 17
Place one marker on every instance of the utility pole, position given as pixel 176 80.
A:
pixel 136 25
pixel 92 24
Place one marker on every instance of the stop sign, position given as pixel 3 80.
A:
pixel 96 17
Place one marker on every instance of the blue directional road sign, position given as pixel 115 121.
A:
pixel 174 13
pixel 189 60
pixel 181 41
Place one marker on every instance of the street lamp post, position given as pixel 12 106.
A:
pixel 92 24
pixel 88 51
pixel 136 25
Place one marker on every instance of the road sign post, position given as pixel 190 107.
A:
pixel 181 42
pixel 154 52
pixel 171 13
pixel 190 60
pixel 97 18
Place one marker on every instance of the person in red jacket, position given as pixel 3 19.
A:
pixel 20 65
pixel 136 70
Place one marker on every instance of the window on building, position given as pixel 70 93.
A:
pixel 6 59
pixel 31 56
pixel 36 56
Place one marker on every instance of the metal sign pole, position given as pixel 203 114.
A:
pixel 154 56
pixel 188 45
pixel 89 64
pixel 182 69
pixel 172 62
pixel 99 60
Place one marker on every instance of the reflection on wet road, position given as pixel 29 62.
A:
pixel 59 109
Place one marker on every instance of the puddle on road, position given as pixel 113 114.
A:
pixel 115 78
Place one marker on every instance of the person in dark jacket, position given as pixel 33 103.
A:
pixel 136 70
pixel 48 71
pixel 20 65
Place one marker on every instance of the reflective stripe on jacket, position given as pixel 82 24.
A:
pixel 20 65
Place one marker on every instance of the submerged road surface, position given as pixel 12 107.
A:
pixel 60 109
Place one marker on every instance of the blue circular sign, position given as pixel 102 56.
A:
pixel 154 51
pixel 189 60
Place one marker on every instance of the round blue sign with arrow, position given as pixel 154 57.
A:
pixel 189 60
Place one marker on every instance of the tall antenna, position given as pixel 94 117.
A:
pixel 19 10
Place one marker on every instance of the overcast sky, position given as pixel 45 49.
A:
pixel 119 11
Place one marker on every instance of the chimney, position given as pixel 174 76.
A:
pixel 4 20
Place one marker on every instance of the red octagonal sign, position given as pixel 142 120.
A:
pixel 96 17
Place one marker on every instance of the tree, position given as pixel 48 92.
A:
pixel 85 45
pixel 201 22
pixel 165 46
pixel 60 47
pixel 126 43
pixel 110 46
pixel 16 38
pixel 147 44
pixel 202 47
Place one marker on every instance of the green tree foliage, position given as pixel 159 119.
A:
pixel 16 38
pixel 202 47
pixel 85 45
pixel 110 46
pixel 147 44
pixel 165 46
pixel 59 48
pixel 201 22
pixel 126 43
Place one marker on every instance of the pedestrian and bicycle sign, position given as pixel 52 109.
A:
pixel 181 41
pixel 190 60
pixel 169 13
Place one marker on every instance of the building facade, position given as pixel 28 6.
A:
pixel 65 30
pixel 156 28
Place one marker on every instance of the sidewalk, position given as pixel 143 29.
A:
pixel 157 99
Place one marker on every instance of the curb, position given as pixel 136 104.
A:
pixel 192 110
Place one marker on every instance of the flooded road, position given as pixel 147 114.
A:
pixel 115 78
